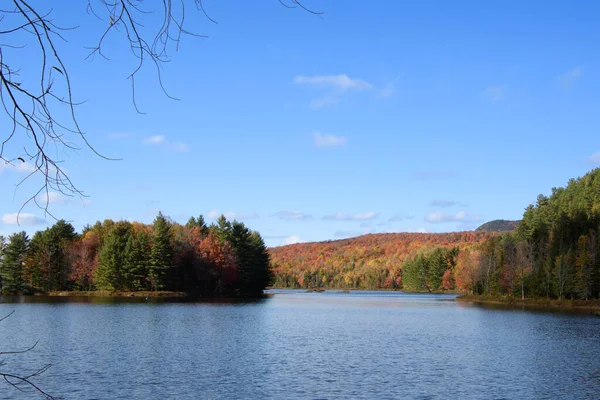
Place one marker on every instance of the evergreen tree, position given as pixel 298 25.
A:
pixel 11 267
pixel 138 263
pixel 161 255
pixel 113 257
pixel 222 229
pixel 56 239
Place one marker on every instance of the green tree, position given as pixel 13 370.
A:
pixel 11 267
pixel 112 257
pixel 161 255
pixel 138 261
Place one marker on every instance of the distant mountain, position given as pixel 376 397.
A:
pixel 499 225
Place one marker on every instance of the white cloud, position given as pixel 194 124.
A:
pixel 157 139
pixel 496 93
pixel 17 166
pixel 418 230
pixel 351 217
pixel 328 140
pixel 52 197
pixel 461 216
pixel 292 216
pixel 22 219
pixel 341 82
pixel 230 215
pixel 569 78
pixel 594 158
pixel 292 240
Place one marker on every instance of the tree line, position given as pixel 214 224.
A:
pixel 222 259
pixel 392 261
pixel 554 252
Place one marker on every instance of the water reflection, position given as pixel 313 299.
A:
pixel 292 344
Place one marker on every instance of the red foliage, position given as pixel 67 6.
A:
pixel 83 256
pixel 219 259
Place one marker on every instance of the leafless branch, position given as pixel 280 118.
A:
pixel 41 110
pixel 21 382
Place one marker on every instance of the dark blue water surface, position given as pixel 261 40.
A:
pixel 296 345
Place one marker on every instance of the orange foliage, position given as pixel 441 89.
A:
pixel 367 262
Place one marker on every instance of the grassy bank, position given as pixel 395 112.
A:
pixel 106 293
pixel 589 306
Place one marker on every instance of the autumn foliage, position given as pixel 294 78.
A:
pixel 223 259
pixel 366 262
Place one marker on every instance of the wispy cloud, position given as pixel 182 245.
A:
pixel 568 79
pixel 496 93
pixel 370 215
pixel 292 216
pixel 432 174
pixel 292 240
pixel 52 198
pixel 230 215
pixel 160 140
pixel 22 219
pixel 445 203
pixel 437 217
pixel 321 140
pixel 594 158
pixel 339 84
pixel 157 139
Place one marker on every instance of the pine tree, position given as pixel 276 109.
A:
pixel 161 255
pixel 11 267
pixel 112 257
pixel 138 263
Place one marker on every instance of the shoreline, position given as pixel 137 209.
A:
pixel 107 293
pixel 540 303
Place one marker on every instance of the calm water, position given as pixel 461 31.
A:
pixel 295 345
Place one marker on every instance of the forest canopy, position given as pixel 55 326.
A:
pixel 222 259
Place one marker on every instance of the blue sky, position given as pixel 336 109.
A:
pixel 377 117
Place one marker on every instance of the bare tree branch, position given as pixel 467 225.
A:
pixel 41 111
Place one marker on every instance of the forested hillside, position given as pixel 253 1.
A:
pixel 553 253
pixel 366 262
pixel 499 225
pixel 225 258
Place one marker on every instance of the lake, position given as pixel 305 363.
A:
pixel 296 345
